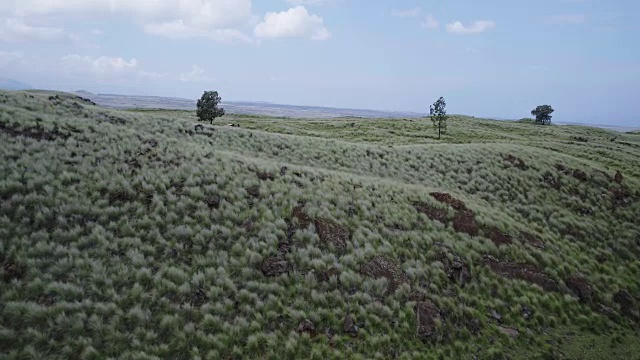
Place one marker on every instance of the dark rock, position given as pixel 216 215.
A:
pixel 495 315
pixel 349 326
pixel 511 332
pixel 580 287
pixel 618 178
pixel 274 266
pixel 306 326
pixel 627 304
pixel 428 319
pixel 381 267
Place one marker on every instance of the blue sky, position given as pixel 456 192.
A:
pixel 497 58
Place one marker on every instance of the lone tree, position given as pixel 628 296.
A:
pixel 208 108
pixel 439 116
pixel 543 114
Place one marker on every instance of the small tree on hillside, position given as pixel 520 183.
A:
pixel 208 106
pixel 439 116
pixel 543 114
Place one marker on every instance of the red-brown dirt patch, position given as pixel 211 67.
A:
pixel 35 132
pixel 333 233
pixel 303 219
pixel 465 222
pixel 274 266
pixel 458 205
pixel 265 176
pixel 522 272
pixel 428 319
pixel 432 213
pixel 515 161
pixel 581 287
pixel 531 239
pixel 382 267
pixel 254 191
pixel 496 235
pixel 621 196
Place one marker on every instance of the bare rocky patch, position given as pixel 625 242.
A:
pixel 265 176
pixel 531 239
pixel 496 235
pixel 432 213
pixel 516 162
pixel 275 265
pixel 428 319
pixel 581 287
pixel 303 219
pixel 522 272
pixel 465 222
pixel 457 270
pixel 628 305
pixel 34 132
pixel 332 233
pixel 457 204
pixel 382 267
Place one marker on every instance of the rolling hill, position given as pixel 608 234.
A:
pixel 137 234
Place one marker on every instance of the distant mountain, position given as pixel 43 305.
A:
pixel 84 93
pixel 10 84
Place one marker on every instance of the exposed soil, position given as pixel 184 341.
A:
pixel 551 180
pixel 618 178
pixel 465 222
pixel 458 205
pixel 274 266
pixel 515 161
pixel 198 298
pixel 522 272
pixel 212 201
pixel 306 326
pixel 265 176
pixel 303 219
pixel 455 268
pixel 34 132
pixel 13 271
pixel 254 191
pixel 120 197
pixel 531 239
pixel 621 196
pixel 496 235
pixel 427 319
pixel 627 304
pixel 382 267
pixel 331 232
pixel 433 213
pixel 349 326
pixel 576 173
pixel 581 287
pixel 324 276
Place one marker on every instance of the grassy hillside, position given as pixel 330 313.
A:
pixel 135 235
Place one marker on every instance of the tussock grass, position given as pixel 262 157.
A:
pixel 129 234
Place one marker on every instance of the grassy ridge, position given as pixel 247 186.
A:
pixel 130 234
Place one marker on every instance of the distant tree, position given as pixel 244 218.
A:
pixel 439 116
pixel 208 106
pixel 543 114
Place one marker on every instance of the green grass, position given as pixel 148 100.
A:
pixel 128 234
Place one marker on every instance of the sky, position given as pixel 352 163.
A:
pixel 493 58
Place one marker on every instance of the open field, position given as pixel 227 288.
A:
pixel 130 234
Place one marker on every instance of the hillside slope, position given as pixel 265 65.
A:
pixel 136 235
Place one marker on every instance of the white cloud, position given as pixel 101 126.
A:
pixel 195 75
pixel 219 20
pixel 295 22
pixel 179 30
pixel 7 58
pixel 567 19
pixel 102 67
pixel 474 28
pixel 430 23
pixel 15 30
pixel 471 50
pixel 308 2
pixel 415 12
